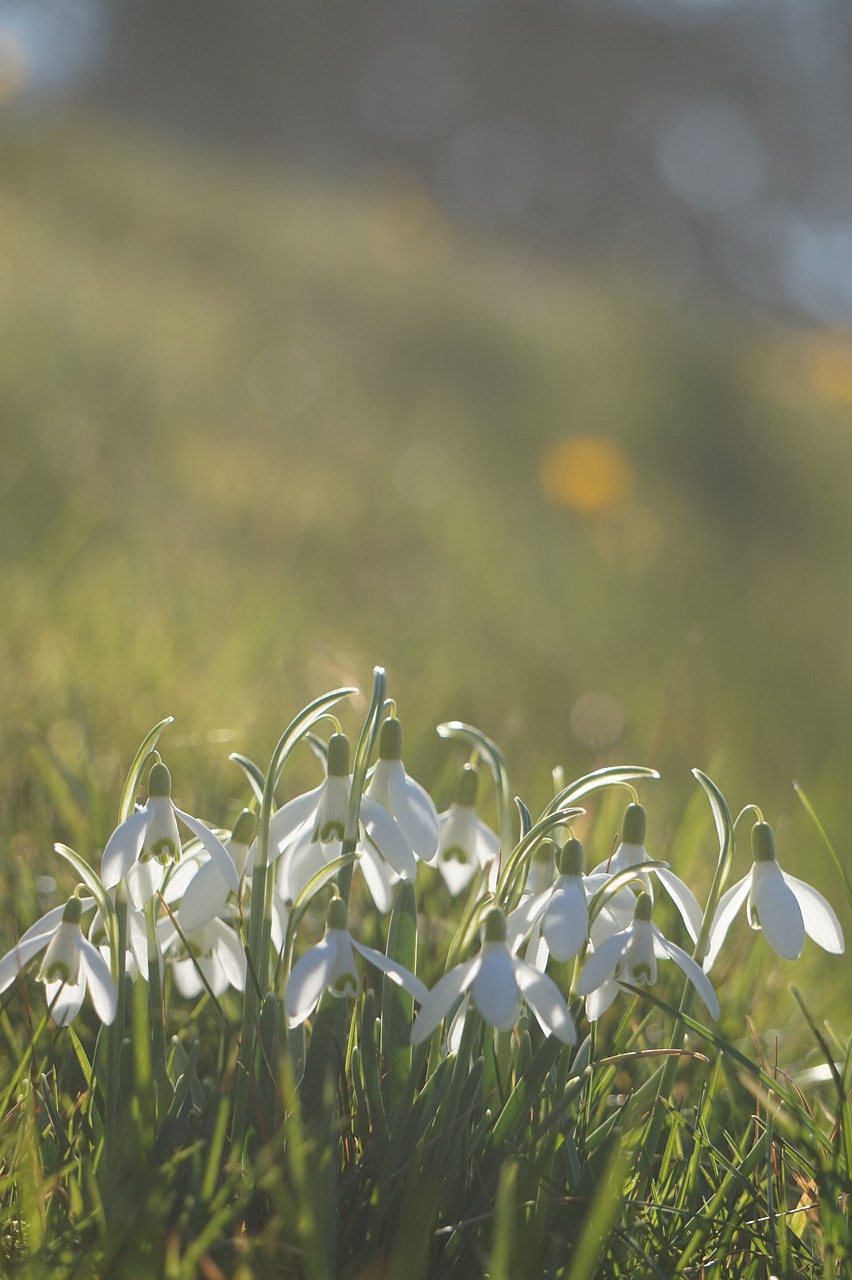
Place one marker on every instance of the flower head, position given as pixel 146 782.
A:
pixel 631 852
pixel 71 965
pixel 498 982
pixel 206 893
pixel 782 907
pixel 466 845
pixel 140 849
pixel 330 966
pixel 404 799
pixel 631 955
pixel 308 832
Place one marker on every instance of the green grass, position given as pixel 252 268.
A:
pixel 178 540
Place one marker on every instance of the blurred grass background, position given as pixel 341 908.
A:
pixel 261 433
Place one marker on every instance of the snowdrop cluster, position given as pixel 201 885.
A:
pixel 561 941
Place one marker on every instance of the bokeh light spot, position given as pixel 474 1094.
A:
pixel 590 474
pixel 831 370
pixel 597 720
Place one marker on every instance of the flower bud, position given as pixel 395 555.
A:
pixel 390 740
pixel 338 756
pixel 634 825
pixel 571 858
pixel 159 780
pixel 466 786
pixel 762 842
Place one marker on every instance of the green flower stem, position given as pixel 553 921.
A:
pixel 725 828
pixel 155 989
pixel 260 913
pixel 118 966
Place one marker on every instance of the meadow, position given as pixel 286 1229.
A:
pixel 261 433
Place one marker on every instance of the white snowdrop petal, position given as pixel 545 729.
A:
pixel 487 844
pixel 99 982
pixel 303 858
pixel 599 1000
pixel 821 923
pixel 414 810
pixel 385 834
pixel 123 848
pixel 565 923
pixel 15 960
pixel 286 821
pixel 229 953
pixel 457 875
pixel 214 847
pixel 495 988
pixel 601 964
pixel 777 909
pixel 187 979
pixel 520 921
pixel 442 997
pixel 309 976
pixel 546 1001
pixel 143 880
pixel 380 878
pixel 64 1000
pixel 693 971
pixel 395 971
pixel 729 904
pixel 684 899
pixel 204 897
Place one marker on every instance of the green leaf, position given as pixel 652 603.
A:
pixel 253 773
pixel 827 841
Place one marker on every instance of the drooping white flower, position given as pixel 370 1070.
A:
pixel 330 966
pixel 206 893
pixel 631 852
pixel 213 950
pixel 782 907
pixel 560 914
pixel 498 982
pixel 466 845
pixel 631 956
pixel 71 965
pixel 141 848
pixel 405 800
pixel 308 832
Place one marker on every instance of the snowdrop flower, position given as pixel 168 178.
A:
pixel 404 799
pixel 71 966
pixel 561 913
pixel 498 982
pixel 307 832
pixel 631 852
pixel 141 848
pixel 784 908
pixel 206 893
pixel 631 956
pixel 330 966
pixel 213 950
pixel 466 845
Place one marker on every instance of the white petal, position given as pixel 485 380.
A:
pixel 546 1001
pixel 137 939
pixel 495 989
pixel 286 820
pixel 821 923
pixel 123 848
pixel 396 972
pixel 308 978
pixel 457 832
pixel 229 953
pixel 179 874
pixel 204 897
pixel 15 960
pixel 384 833
pixel 380 878
pixel 64 999
pixel 442 997
pixel 696 975
pixel 187 979
pixel 600 965
pixel 49 923
pixel 457 875
pixel 143 880
pixel 684 899
pixel 777 909
pixel 415 812
pixel 599 1000
pixel 520 921
pixel 99 982
pixel 303 857
pixel 487 846
pixel 214 847
pixel 456 1029
pixel 565 923
pixel 729 904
